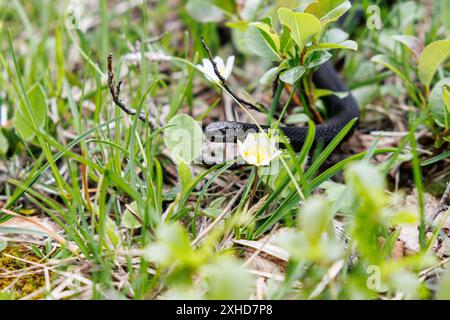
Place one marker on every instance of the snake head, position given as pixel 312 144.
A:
pixel 224 131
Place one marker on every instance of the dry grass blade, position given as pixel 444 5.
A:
pixel 45 229
pixel 219 217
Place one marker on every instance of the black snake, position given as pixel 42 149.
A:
pixel 341 111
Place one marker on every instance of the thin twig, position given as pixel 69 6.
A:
pixel 294 97
pixel 115 93
pixel 312 100
pixel 310 105
pixel 223 82
pixel 443 203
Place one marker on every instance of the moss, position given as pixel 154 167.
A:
pixel 25 284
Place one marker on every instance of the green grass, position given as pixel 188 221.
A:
pixel 116 215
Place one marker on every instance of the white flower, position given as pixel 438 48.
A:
pixel 258 149
pixel 225 70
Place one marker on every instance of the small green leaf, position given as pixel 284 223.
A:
pixel 291 76
pixel 337 194
pixel 111 231
pixel 430 59
pixel 257 44
pixel 128 219
pixel 303 26
pixel 319 93
pixel 329 10
pixel 3 143
pixel 185 175
pixel 347 44
pixel 238 25
pixel 335 39
pixel 314 216
pixel 214 208
pixel 336 13
pixel 390 64
pixel 403 216
pixel 437 104
pixel 227 6
pixel 318 58
pixel 296 119
pixel 286 41
pixel 38 110
pixel 227 280
pixel 268 76
pixel 183 137
pixel 269 33
pixel 304 4
pixel 172 247
pixel 446 98
pixel 365 177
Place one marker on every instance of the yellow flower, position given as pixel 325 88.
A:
pixel 258 149
pixel 224 70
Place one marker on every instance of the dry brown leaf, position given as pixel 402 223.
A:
pixel 32 224
pixel 399 250
pixel 272 250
